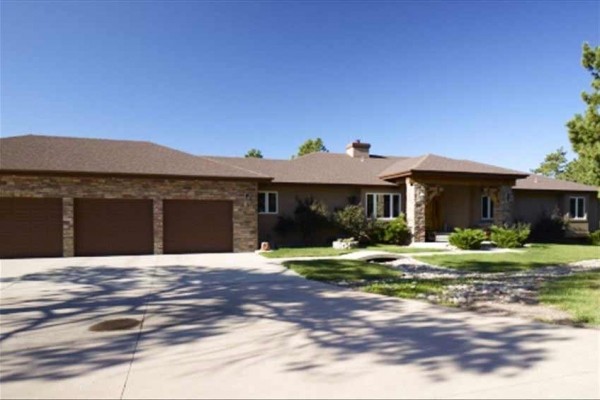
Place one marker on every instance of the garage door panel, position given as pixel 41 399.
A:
pixel 113 227
pixel 30 227
pixel 197 226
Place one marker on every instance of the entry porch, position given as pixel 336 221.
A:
pixel 442 203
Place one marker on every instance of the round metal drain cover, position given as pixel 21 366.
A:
pixel 118 324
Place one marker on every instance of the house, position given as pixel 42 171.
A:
pixel 75 197
pixel 435 193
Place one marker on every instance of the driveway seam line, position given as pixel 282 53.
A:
pixel 138 336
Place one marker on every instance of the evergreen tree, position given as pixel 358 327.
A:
pixel 584 130
pixel 312 146
pixel 254 153
pixel 554 165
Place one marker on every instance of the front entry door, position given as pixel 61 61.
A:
pixel 433 214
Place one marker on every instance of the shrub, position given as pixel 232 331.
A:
pixel 510 236
pixel 310 217
pixel 397 232
pixel 285 225
pixel 353 220
pixel 595 238
pixel 548 229
pixel 377 230
pixel 467 239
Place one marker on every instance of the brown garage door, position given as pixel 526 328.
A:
pixel 195 226
pixel 113 227
pixel 30 227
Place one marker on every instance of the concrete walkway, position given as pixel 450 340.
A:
pixel 241 326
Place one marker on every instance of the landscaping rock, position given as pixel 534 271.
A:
pixel 501 288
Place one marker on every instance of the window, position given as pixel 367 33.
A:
pixel 577 207
pixel 267 202
pixel 383 205
pixel 487 208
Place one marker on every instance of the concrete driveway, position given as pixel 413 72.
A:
pixel 225 326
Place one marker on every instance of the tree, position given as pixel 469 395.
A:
pixel 584 130
pixel 581 170
pixel 554 165
pixel 312 146
pixel 254 153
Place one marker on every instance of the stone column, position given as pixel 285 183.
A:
pixel 68 229
pixel 416 197
pixel 503 207
pixel 157 207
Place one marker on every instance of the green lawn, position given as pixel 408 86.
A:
pixel 538 255
pixel 342 270
pixel 368 277
pixel 578 294
pixel 289 252
pixel 402 249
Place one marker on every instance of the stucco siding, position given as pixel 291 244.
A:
pixel 531 205
pixel 334 197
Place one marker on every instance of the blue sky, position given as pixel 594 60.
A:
pixel 489 81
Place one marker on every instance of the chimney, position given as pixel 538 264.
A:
pixel 358 149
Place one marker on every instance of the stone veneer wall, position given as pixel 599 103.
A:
pixel 504 205
pixel 416 197
pixel 242 193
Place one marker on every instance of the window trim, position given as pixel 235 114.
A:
pixel 266 193
pixel 391 210
pixel 491 211
pixel 575 217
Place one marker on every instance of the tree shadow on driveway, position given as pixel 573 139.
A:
pixel 188 304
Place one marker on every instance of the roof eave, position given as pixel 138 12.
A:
pixel 6 171
pixel 453 173
pixel 588 190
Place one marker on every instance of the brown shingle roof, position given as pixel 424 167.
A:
pixel 63 154
pixel 539 182
pixel 319 168
pixel 78 155
pixel 435 163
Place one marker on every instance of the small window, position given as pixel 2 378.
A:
pixel 487 208
pixel 383 205
pixel 267 203
pixel 577 207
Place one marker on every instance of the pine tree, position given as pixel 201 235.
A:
pixel 584 130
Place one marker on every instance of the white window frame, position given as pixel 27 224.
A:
pixel 584 213
pixel 266 194
pixel 391 210
pixel 491 211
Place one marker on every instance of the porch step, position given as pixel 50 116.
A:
pixel 442 237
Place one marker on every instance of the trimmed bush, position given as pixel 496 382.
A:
pixel 595 238
pixel 467 239
pixel 510 236
pixel 397 232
